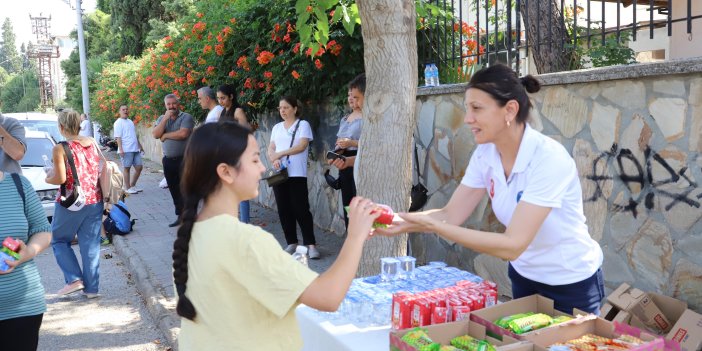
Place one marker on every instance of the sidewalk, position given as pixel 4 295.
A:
pixel 147 250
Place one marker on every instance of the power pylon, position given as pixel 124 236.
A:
pixel 44 51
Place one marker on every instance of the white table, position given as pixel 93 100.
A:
pixel 319 334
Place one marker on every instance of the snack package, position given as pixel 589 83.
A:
pixel 469 343
pixel 448 348
pixel 417 338
pixel 504 321
pixel 561 319
pixel 386 215
pixel 3 265
pixel 11 253
pixel 591 342
pixel 529 323
pixel 11 243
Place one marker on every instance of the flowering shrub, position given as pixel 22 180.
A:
pixel 249 43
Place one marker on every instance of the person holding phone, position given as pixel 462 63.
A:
pixel 292 196
pixel 347 141
pixel 535 192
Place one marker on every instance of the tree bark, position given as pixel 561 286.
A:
pixel 385 158
pixel 548 49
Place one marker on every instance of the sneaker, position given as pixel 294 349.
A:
pixel 291 248
pixel 71 288
pixel 91 295
pixel 313 253
pixel 175 224
pixel 137 189
pixel 132 191
pixel 104 241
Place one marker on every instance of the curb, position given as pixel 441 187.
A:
pixel 167 321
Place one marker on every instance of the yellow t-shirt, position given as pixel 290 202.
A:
pixel 244 288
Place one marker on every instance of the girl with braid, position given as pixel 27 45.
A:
pixel 237 289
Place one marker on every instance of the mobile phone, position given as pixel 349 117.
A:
pixel 331 155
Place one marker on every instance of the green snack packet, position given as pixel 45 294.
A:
pixel 527 324
pixel 469 343
pixel 417 338
pixel 561 319
pixel 10 253
pixel 504 321
pixel 448 348
pixel 431 347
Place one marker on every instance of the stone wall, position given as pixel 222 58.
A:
pixel 637 143
pixel 636 135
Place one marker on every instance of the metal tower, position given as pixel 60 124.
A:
pixel 44 51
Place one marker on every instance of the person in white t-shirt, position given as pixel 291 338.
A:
pixel 533 185
pixel 208 101
pixel 292 195
pixel 84 125
pixel 129 149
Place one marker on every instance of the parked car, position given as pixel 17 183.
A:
pixel 39 144
pixel 43 122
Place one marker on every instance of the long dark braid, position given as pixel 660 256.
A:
pixel 209 146
pixel 181 247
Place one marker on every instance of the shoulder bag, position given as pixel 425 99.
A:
pixel 75 201
pixel 279 176
pixel 418 194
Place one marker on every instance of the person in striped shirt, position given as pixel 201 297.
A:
pixel 22 304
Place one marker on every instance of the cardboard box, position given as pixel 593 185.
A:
pixel 533 303
pixel 642 306
pixel 686 332
pixel 443 333
pixel 614 314
pixel 543 338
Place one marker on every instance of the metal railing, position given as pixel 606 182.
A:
pixel 467 34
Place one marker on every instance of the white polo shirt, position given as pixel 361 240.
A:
pixel 125 130
pixel 544 174
pixel 297 167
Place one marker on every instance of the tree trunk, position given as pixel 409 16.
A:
pixel 549 48
pixel 385 158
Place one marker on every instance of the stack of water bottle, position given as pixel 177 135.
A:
pixel 369 300
pixel 431 75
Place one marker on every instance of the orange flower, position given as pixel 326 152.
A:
pixel 199 27
pixel 334 48
pixel 265 57
pixel 318 64
pixel 227 30
pixel 286 38
pixel 232 73
pixel 210 69
pixel 201 61
pixel 219 49
pixel 207 49
pixel 199 15
pixel 233 20
pixel 276 27
pixel 247 83
pixel 242 62
pixel 295 74
pixel 268 74
pixel 309 9
pixel 260 85
pixel 296 49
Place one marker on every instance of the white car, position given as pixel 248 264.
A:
pixel 39 144
pixel 37 121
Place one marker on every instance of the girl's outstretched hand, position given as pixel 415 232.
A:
pixel 361 217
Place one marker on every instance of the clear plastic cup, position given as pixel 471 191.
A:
pixel 407 264
pixel 389 268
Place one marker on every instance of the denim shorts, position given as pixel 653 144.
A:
pixel 585 295
pixel 131 159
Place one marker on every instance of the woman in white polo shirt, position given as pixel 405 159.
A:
pixel 289 148
pixel 535 192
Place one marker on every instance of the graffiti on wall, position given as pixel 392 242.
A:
pixel 641 182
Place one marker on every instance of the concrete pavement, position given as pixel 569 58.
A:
pixel 147 250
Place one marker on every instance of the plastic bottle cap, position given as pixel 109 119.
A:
pixel 301 250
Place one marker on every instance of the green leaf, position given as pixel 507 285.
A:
pixel 305 33
pixel 301 6
pixel 338 12
pixel 303 18
pixel 327 4
pixel 354 13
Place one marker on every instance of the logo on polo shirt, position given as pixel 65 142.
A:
pixel 492 188
pixel 519 195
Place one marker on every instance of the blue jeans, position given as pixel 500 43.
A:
pixel 86 223
pixel 586 295
pixel 245 211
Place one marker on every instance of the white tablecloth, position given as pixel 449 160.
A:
pixel 319 334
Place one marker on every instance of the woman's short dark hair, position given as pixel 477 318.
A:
pixel 294 103
pixel 359 82
pixel 209 146
pixel 503 84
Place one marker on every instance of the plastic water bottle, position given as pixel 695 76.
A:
pixel 300 254
pixel 435 75
pixel 428 76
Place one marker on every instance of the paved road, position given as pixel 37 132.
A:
pixel 116 321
